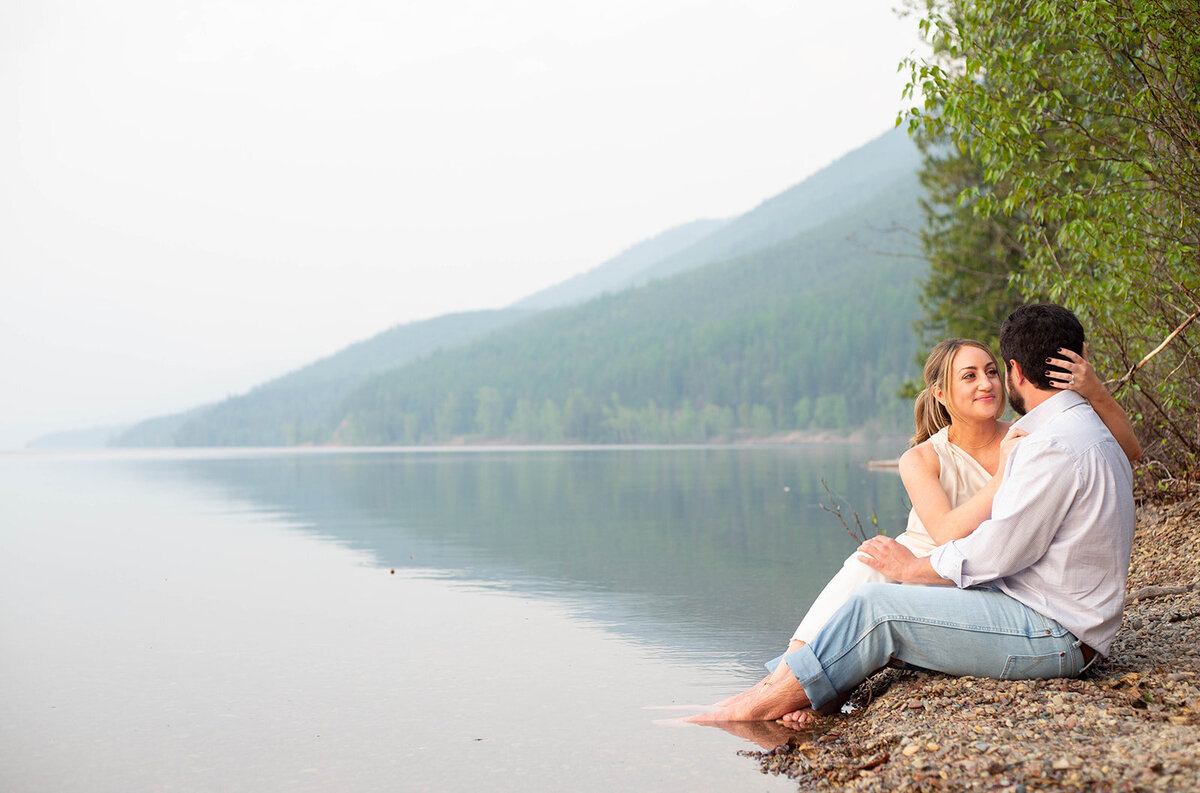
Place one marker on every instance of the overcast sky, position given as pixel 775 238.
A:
pixel 199 195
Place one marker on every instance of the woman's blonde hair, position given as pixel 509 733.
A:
pixel 930 413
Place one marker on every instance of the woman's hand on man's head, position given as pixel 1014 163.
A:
pixel 1079 375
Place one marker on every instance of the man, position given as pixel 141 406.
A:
pixel 1040 586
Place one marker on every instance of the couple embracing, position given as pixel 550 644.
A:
pixel 1019 536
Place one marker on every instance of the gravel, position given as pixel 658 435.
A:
pixel 1130 723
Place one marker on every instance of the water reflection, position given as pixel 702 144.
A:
pixel 226 621
pixel 724 545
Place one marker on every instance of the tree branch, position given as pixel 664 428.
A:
pixel 1134 369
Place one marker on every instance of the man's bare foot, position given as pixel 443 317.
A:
pixel 730 700
pixel 781 694
pixel 793 645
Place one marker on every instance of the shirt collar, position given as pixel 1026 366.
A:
pixel 1041 415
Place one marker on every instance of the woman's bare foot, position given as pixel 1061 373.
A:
pixel 801 718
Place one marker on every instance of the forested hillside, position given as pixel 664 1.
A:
pixel 812 333
pixel 298 407
pixel 160 430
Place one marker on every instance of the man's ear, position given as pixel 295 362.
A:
pixel 1014 372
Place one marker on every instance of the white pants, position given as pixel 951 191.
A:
pixel 852 575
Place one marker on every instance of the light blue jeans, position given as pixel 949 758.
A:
pixel 977 632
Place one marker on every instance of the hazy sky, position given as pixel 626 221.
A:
pixel 199 195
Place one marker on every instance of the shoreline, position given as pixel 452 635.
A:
pixel 1130 723
pixel 789 438
pixel 797 438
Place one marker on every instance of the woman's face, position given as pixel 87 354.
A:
pixel 975 389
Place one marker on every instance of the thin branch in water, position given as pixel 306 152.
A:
pixel 835 509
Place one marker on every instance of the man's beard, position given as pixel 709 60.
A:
pixel 1014 399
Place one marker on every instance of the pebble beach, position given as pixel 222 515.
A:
pixel 1130 723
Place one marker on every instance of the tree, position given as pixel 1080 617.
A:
pixel 1084 119
pixel 803 410
pixel 971 256
pixel 489 412
pixel 550 422
pixel 581 420
pixel 447 419
pixel 761 421
pixel 523 426
pixel 777 392
pixel 830 412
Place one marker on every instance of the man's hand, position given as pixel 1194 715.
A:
pixel 895 561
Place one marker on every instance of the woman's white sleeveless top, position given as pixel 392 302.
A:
pixel 961 476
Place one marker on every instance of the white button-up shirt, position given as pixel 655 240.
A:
pixel 1062 524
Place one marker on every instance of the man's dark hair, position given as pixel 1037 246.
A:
pixel 1033 333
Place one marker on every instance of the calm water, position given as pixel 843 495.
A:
pixel 503 620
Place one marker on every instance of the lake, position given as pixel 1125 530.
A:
pixel 406 620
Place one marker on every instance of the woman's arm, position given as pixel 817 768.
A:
pixel 1081 378
pixel 920 469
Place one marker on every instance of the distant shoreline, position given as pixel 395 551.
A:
pixel 790 438
pixel 457 445
pixel 93 441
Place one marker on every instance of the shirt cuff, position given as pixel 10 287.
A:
pixel 947 561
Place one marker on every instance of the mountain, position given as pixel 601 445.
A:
pixel 295 408
pixel 86 438
pixel 421 371
pixel 158 431
pixel 623 270
pixel 825 195
pixel 811 333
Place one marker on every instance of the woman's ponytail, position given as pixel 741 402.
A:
pixel 929 416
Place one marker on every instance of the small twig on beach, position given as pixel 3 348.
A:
pixel 861 535
pixel 1148 592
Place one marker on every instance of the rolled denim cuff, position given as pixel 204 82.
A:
pixel 773 664
pixel 811 676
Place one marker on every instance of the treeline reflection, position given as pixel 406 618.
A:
pixel 730 538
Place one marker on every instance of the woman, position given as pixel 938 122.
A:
pixel 954 464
